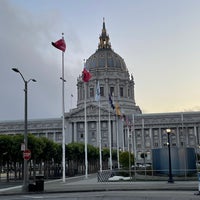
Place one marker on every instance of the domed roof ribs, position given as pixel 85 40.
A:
pixel 104 39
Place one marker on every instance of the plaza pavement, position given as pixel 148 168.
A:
pixel 81 184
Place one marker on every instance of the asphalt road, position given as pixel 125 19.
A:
pixel 110 195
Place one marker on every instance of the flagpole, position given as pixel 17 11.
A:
pixel 129 150
pixel 97 98
pixel 100 146
pixel 110 139
pixel 63 115
pixel 86 158
pixel 123 132
pixel 60 44
pixel 110 143
pixel 134 143
pixel 86 76
pixel 144 148
pixel 117 142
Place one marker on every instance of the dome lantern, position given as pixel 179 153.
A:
pixel 104 38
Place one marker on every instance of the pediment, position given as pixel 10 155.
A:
pixel 92 111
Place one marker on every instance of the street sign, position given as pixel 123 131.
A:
pixel 27 154
pixel 22 146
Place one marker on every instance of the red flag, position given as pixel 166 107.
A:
pixel 60 44
pixel 86 76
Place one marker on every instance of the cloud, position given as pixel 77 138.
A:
pixel 192 109
pixel 26 44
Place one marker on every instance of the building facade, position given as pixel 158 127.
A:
pixel 49 128
pixel 136 132
pixel 149 132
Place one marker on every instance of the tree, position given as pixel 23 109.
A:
pixel 105 154
pixel 6 143
pixel 75 153
pixel 16 154
pixel 124 159
pixel 46 156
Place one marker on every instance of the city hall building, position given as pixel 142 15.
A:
pixel 128 130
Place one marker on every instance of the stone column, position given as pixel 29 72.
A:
pixel 75 132
pixel 177 137
pixel 114 134
pixel 106 88
pixel 160 138
pixel 195 135
pixel 117 89
pixel 126 90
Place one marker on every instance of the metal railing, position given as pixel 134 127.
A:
pixel 145 175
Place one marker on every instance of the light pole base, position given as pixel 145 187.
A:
pixel 170 180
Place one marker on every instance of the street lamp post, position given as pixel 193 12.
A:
pixel 170 180
pixel 25 180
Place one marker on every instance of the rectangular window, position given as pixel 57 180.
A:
pixel 103 124
pixel 155 132
pixel 147 144
pixel 104 134
pixel 93 135
pixel 92 125
pixel 182 144
pixel 81 125
pixel 102 91
pixel 121 92
pixel 112 90
pixel 91 92
pixel 58 136
pixel 138 133
pixel 146 133
pixel 156 144
pixel 42 134
pixel 50 135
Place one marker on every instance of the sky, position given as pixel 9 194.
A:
pixel 158 40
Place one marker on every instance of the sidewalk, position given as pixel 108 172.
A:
pixel 81 184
